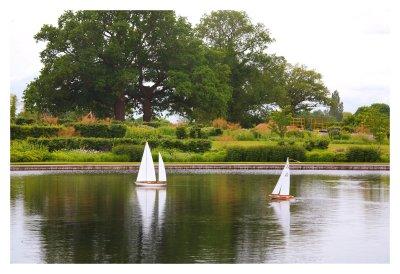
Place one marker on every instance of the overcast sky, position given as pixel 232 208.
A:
pixel 348 43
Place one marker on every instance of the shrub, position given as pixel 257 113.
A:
pixel 334 133
pixel 142 132
pixel 363 154
pixel 25 131
pixel 134 152
pixel 166 131
pixel 101 130
pixel 295 134
pixel 181 132
pixel 320 143
pixel 196 133
pixel 211 131
pixel 220 123
pixel 264 153
pixel 23 151
pixel 214 156
pixel 24 121
pixel 67 132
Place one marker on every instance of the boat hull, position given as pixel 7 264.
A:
pixel 151 184
pixel 280 197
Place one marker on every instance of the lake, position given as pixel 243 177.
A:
pixel 200 217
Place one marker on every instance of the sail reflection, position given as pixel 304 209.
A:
pixel 152 206
pixel 282 212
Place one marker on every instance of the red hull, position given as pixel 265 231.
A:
pixel 280 197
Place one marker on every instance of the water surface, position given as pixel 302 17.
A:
pixel 337 217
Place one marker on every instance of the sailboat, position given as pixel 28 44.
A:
pixel 282 187
pixel 147 173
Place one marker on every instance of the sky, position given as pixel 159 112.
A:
pixel 346 41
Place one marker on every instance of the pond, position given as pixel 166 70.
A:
pixel 200 217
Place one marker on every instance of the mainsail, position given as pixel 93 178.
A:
pixel 162 176
pixel 283 185
pixel 147 172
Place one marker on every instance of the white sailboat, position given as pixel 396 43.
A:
pixel 147 173
pixel 282 187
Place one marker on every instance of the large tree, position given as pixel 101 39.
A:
pixel 243 45
pixel 304 89
pixel 112 61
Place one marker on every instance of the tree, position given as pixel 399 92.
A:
pixel 109 62
pixel 13 106
pixel 336 106
pixel 376 118
pixel 304 89
pixel 280 120
pixel 243 45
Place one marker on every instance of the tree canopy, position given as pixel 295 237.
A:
pixel 115 63
pixel 112 61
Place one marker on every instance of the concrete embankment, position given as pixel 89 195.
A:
pixel 16 167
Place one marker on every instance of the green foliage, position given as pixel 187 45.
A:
pixel 280 121
pixel 181 132
pixel 334 133
pixel 101 130
pixel 241 134
pixel 264 153
pixel 86 156
pixel 25 131
pixel 194 145
pixel 99 144
pixel 134 152
pixel 254 74
pixel 304 89
pixel 211 131
pixel 326 156
pixel 142 132
pixel 376 121
pixel 13 106
pixel 166 131
pixel 363 154
pixel 196 132
pixel 336 106
pixel 23 151
pixel 319 143
pixel 24 121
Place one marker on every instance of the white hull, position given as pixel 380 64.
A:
pixel 158 184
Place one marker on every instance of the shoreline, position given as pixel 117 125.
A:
pixel 202 166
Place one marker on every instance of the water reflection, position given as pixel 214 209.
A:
pixel 282 212
pixel 224 218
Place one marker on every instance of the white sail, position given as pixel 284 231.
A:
pixel 147 200
pixel 162 176
pixel 147 172
pixel 283 185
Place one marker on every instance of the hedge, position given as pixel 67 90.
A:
pixel 134 152
pixel 266 153
pixel 100 144
pixel 106 144
pixel 363 154
pixel 36 131
pixel 101 130
pixel 326 156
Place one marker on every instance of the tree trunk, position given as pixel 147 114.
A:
pixel 147 104
pixel 119 109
